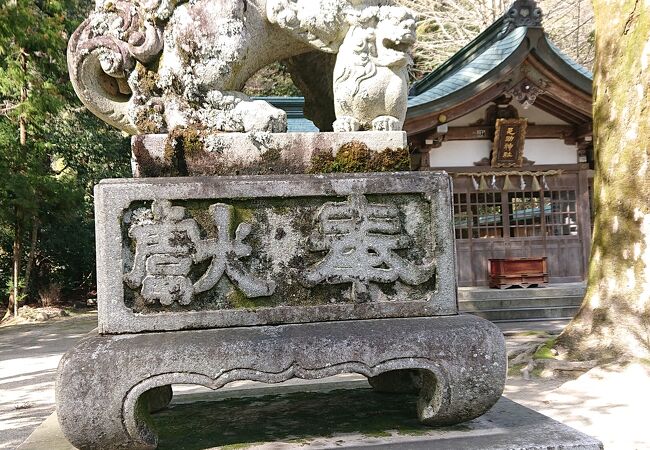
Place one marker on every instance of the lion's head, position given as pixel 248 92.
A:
pixel 378 37
pixel 324 24
pixel 394 36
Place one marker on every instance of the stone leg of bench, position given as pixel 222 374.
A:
pixel 107 385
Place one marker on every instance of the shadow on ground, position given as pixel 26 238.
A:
pixel 292 418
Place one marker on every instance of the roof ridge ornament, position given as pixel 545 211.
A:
pixel 524 13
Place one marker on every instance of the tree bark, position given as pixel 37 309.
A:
pixel 614 320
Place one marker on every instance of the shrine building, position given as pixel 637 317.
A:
pixel 510 118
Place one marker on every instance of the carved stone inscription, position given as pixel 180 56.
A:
pixel 361 239
pixel 168 244
pixel 282 252
pixel 205 252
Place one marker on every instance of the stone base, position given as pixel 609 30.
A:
pixel 196 153
pixel 507 425
pixel 107 385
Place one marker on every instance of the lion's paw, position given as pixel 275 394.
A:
pixel 345 124
pixel 258 115
pixel 386 123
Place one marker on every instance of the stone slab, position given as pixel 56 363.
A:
pixel 507 426
pixel 192 253
pixel 197 153
pixel 107 384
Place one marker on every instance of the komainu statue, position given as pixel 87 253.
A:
pixel 154 65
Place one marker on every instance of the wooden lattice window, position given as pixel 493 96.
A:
pixel 461 216
pixel 526 213
pixel 478 215
pixel 562 219
pixel 487 215
pixel 515 214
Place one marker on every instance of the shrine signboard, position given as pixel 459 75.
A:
pixel 509 138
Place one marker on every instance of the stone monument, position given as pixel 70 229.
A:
pixel 234 253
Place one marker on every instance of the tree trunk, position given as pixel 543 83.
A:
pixel 16 265
pixel 614 320
pixel 32 253
pixel 17 247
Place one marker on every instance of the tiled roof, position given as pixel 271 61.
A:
pixel 481 56
pixel 579 68
pixel 474 70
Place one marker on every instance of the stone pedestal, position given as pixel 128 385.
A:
pixel 202 420
pixel 107 385
pixel 181 253
pixel 199 153
pixel 207 280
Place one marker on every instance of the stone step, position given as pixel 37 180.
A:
pixel 564 290
pixel 527 314
pixel 519 302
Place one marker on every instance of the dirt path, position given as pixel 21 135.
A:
pixel 29 355
pixel 608 403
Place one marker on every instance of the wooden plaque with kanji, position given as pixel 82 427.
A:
pixel 509 138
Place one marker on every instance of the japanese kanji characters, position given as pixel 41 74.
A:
pixel 169 245
pixel 361 239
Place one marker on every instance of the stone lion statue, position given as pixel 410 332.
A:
pixel 156 65
pixel 371 71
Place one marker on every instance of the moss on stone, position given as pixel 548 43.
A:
pixel 239 300
pixel 546 351
pixel 270 159
pixel 321 160
pixel 391 160
pixel 147 80
pixel 241 215
pixel 109 7
pixel 192 141
pixel 144 123
pixel 356 157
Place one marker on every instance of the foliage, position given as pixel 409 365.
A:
pixel 51 150
pixel 272 80
pixel 445 26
